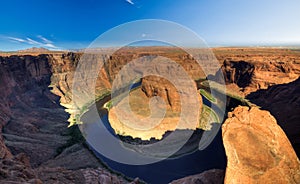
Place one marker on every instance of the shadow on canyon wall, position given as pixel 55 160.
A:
pixel 35 144
pixel 283 102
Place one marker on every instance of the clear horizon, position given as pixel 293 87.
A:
pixel 67 25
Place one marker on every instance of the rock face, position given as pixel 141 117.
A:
pixel 17 170
pixel 240 73
pixel 283 102
pixel 36 146
pixel 165 87
pixel 254 69
pixel 23 80
pixel 215 176
pixel 157 86
pixel 257 149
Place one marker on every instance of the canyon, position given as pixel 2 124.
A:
pixel 36 145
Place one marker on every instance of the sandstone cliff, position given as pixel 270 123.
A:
pixel 253 69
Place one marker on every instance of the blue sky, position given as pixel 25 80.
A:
pixel 59 24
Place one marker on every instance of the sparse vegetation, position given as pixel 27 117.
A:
pixel 85 107
pixel 226 91
pixel 208 116
pixel 108 105
pixel 208 96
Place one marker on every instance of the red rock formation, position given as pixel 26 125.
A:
pixel 253 69
pixel 215 176
pixel 257 149
pixel 157 86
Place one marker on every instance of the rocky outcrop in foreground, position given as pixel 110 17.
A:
pixel 257 149
pixel 283 102
pixel 215 176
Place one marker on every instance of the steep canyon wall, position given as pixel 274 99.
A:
pixel 35 136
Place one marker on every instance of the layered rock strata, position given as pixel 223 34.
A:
pixel 36 145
